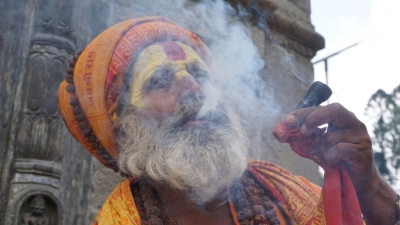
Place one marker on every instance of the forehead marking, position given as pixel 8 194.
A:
pixel 173 51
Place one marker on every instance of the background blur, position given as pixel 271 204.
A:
pixel 357 73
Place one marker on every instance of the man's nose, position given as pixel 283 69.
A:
pixel 190 90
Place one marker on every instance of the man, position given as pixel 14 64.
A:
pixel 136 94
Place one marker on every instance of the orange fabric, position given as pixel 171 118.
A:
pixel 338 193
pixel 317 189
pixel 299 202
pixel 109 55
pixel 65 110
pixel 119 208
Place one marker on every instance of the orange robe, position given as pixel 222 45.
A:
pixel 298 198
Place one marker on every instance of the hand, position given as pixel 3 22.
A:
pixel 346 140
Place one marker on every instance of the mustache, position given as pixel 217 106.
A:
pixel 188 111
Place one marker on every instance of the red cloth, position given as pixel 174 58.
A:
pixel 340 201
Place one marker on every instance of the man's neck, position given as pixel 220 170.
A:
pixel 185 211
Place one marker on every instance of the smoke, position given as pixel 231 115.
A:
pixel 237 63
pixel 236 60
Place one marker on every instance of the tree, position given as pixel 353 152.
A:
pixel 384 108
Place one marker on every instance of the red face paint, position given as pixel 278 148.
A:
pixel 172 50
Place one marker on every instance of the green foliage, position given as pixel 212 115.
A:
pixel 384 108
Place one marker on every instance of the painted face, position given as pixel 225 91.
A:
pixel 164 75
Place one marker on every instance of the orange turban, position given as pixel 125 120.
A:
pixel 87 99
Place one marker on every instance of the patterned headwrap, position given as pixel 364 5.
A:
pixel 88 98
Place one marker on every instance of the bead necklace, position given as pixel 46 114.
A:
pixel 251 202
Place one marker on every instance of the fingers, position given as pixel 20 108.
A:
pixel 348 152
pixel 334 114
pixel 296 118
pixel 348 145
pixel 334 137
pixel 346 139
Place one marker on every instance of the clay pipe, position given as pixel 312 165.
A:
pixel 316 94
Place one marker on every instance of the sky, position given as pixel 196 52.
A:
pixel 357 73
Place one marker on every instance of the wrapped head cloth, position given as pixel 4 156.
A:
pixel 87 99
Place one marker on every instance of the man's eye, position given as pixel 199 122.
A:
pixel 159 82
pixel 200 76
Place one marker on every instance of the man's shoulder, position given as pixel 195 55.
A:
pixel 260 165
pixel 277 174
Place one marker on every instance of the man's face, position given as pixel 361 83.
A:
pixel 167 76
pixel 165 138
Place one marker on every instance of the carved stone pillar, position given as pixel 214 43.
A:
pixel 42 176
pixel 32 178
pixel 38 154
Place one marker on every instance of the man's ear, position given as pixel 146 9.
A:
pixel 116 97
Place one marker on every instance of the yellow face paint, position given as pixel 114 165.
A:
pixel 157 56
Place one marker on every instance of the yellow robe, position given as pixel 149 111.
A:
pixel 298 198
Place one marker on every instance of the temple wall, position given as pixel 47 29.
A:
pixel 38 157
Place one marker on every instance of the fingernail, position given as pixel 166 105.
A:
pixel 291 119
pixel 303 129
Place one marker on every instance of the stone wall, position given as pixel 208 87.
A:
pixel 40 158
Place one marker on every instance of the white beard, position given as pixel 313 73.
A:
pixel 200 162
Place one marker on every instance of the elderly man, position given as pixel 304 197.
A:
pixel 134 99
